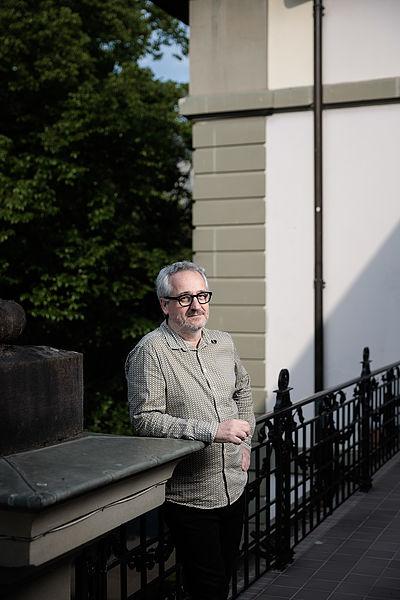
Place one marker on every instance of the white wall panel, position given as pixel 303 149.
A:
pixel 367 32
pixel 362 238
pixel 289 252
pixel 290 43
pixel 369 46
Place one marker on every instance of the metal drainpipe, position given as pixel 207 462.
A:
pixel 318 10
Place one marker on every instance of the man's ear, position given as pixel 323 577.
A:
pixel 164 306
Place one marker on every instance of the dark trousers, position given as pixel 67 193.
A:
pixel 207 544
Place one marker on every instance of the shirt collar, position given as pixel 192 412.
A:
pixel 177 343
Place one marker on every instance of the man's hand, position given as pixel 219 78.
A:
pixel 245 458
pixel 232 430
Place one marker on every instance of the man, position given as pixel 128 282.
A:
pixel 185 381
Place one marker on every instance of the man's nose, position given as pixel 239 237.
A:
pixel 195 302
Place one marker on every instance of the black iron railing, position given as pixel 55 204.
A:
pixel 310 457
pixel 307 459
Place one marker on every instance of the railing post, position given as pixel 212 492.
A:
pixel 282 442
pixel 365 442
pixel 325 454
pixel 389 416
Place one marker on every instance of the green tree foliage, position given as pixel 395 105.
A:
pixel 93 198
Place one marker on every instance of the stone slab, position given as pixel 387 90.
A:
pixel 232 264
pixel 290 98
pixel 229 185
pixel 238 319
pixel 237 292
pixel 47 476
pixel 243 211
pixel 246 237
pixel 228 132
pixel 250 345
pixel 229 159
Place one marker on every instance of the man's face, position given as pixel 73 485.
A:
pixel 186 319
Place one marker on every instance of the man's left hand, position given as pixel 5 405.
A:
pixel 245 458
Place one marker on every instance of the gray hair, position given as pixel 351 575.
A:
pixel 163 286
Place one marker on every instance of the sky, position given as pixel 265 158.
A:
pixel 169 67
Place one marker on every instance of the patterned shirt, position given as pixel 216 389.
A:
pixel 178 391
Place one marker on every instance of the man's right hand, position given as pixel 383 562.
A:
pixel 232 430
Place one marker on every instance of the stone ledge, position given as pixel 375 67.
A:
pixel 37 479
pixel 56 499
pixel 290 98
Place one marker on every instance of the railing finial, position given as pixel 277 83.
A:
pixel 283 379
pixel 366 370
pixel 283 391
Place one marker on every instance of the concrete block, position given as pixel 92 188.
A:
pixel 238 319
pixel 250 345
pixel 250 237
pixel 229 158
pixel 256 370
pixel 240 264
pixel 229 212
pixel 232 264
pixel 259 400
pixel 232 185
pixel 227 132
pixel 238 292
pixel 204 238
pixel 207 261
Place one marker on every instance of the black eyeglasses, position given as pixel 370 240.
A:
pixel 187 299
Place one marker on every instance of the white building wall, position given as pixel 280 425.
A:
pixel 290 44
pixel 240 51
pixel 369 46
pixel 361 41
pixel 289 252
pixel 362 238
pixel 361 244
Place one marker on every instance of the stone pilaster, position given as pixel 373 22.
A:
pixel 229 235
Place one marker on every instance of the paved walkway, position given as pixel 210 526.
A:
pixel 353 555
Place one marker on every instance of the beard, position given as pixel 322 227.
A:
pixel 188 323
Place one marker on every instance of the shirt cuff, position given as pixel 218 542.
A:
pixel 213 431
